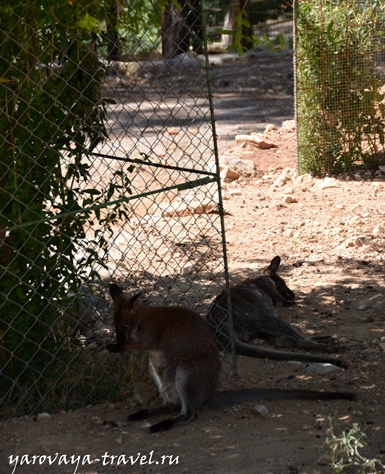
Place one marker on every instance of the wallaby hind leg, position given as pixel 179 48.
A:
pixel 192 386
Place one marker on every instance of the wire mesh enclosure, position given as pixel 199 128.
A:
pixel 109 172
pixel 340 84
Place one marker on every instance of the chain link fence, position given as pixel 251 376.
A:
pixel 109 172
pixel 340 84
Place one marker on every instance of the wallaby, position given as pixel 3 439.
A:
pixel 254 316
pixel 184 355
pixel 184 360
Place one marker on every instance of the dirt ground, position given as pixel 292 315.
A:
pixel 330 235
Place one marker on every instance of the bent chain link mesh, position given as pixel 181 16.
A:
pixel 142 207
pixel 340 85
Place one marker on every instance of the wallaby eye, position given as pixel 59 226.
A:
pixel 125 326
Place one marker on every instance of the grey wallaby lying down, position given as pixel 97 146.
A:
pixel 254 316
pixel 184 361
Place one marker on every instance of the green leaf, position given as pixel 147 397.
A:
pixel 89 23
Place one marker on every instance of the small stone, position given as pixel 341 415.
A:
pixel 288 126
pixel 188 269
pixel 322 368
pixel 269 128
pixel 119 440
pixel 358 242
pixel 260 410
pixel 289 200
pixel 378 230
pixel 284 178
pixel 325 183
pixel 96 420
pixel 42 416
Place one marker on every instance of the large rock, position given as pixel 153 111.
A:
pixel 233 167
pixel 255 139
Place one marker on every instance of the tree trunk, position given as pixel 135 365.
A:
pixel 181 29
pixel 114 49
pixel 229 23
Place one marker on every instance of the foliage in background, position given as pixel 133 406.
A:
pixel 344 449
pixel 52 115
pixel 253 13
pixel 340 103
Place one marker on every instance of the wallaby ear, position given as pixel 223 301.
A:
pixel 116 292
pixel 274 265
pixel 132 302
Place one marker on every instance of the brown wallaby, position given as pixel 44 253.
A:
pixel 184 355
pixel 254 316
pixel 184 360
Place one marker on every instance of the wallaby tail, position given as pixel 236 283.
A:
pixel 232 397
pixel 254 351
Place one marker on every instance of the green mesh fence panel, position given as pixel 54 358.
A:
pixel 340 85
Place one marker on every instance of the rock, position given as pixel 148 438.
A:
pixel 255 139
pixel 288 190
pixel 188 269
pixel 236 166
pixel 288 233
pixel 260 410
pixel 382 345
pixel 382 168
pixel 284 178
pixel 129 69
pixel 269 128
pixel 356 242
pixel 325 183
pixel 228 174
pixel 173 131
pixel 289 200
pixel 96 420
pixel 42 416
pixel 188 59
pixel 288 126
pixel 321 368
pixel 379 230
